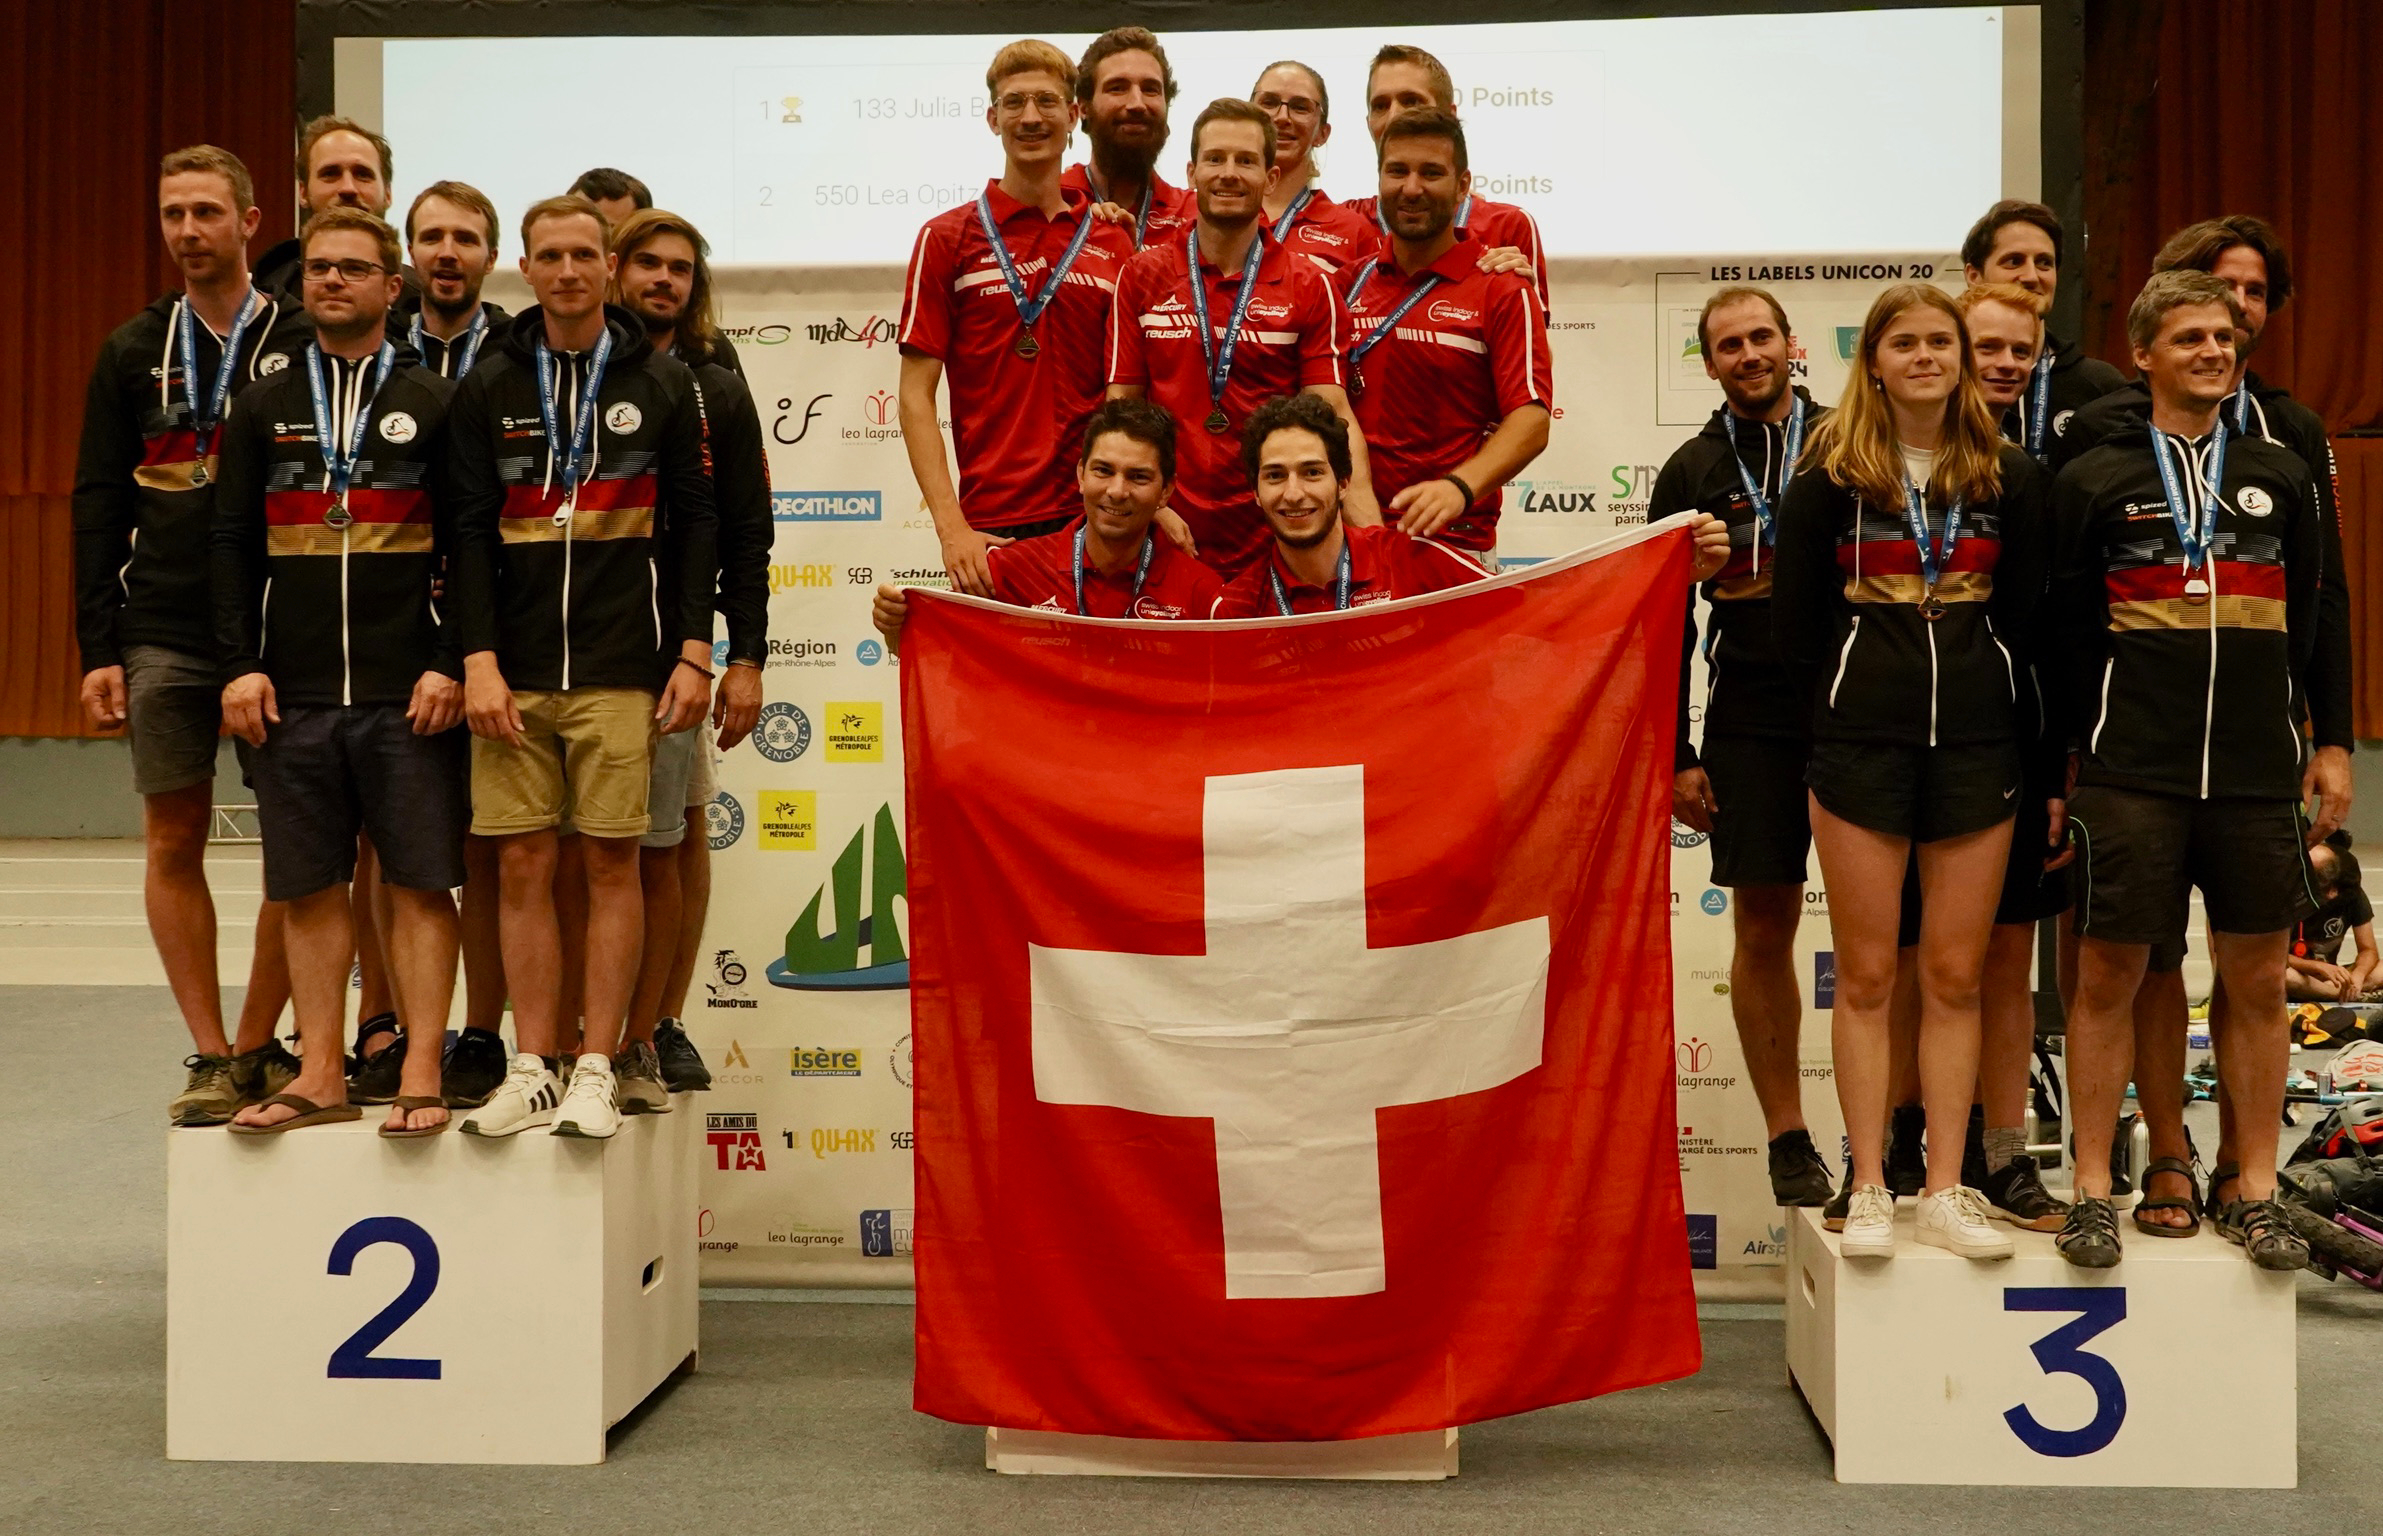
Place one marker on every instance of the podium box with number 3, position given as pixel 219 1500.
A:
pixel 331 1296
pixel 2176 1369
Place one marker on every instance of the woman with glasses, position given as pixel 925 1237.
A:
pixel 1298 211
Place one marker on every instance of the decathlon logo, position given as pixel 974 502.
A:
pixel 827 506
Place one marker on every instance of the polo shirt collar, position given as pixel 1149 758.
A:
pixel 1267 252
pixel 1362 564
pixel 1073 204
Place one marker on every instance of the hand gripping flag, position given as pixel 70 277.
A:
pixel 1292 1009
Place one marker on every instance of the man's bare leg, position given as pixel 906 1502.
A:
pixel 181 910
pixel 268 980
pixel 2101 1050
pixel 658 874
pixel 615 938
pixel 1763 1000
pixel 2160 1020
pixel 320 936
pixel 424 936
pixel 483 948
pixel 532 942
pixel 571 918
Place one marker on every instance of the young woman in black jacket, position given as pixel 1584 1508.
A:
pixel 1909 567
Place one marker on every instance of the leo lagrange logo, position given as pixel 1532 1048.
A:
pixel 783 732
pixel 723 821
pixel 1693 1056
pixel 726 989
pixel 830 962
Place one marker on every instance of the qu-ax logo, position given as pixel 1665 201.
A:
pixel 816 962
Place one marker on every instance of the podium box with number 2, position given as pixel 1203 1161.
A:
pixel 331 1296
pixel 2176 1369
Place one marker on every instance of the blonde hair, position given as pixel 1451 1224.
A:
pixel 1856 445
pixel 206 158
pixel 568 206
pixel 1029 55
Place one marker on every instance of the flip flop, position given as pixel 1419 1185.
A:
pixel 308 1113
pixel 413 1101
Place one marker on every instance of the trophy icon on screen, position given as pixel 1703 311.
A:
pixel 793 107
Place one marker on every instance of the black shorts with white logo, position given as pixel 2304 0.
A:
pixel 328 771
pixel 1762 828
pixel 2139 855
pixel 1924 793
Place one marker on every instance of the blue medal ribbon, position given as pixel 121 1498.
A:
pixel 1030 309
pixel 473 335
pixel 1141 573
pixel 1141 219
pixel 1373 338
pixel 1932 555
pixel 1340 581
pixel 206 416
pixel 2241 401
pixel 583 425
pixel 339 457
pixel 2039 408
pixel 2197 520
pixel 1765 521
pixel 1220 358
pixel 1282 226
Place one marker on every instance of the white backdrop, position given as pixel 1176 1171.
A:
pixel 809 1123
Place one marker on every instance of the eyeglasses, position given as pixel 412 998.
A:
pixel 354 269
pixel 1048 103
pixel 1297 106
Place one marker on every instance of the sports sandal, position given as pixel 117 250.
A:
pixel 2224 1173
pixel 308 1113
pixel 407 1102
pixel 2262 1230
pixel 2089 1238
pixel 2190 1204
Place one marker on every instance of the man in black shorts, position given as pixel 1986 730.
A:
pixel 2188 575
pixel 1747 786
pixel 328 531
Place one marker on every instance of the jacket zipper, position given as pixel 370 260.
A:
pixel 347 672
pixel 2094 742
pixel 1931 629
pixel 1844 658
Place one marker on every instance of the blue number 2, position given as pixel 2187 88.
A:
pixel 2062 1352
pixel 355 1357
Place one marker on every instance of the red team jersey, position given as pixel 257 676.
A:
pixel 1017 422
pixel 1172 209
pixel 1332 235
pixel 1459 362
pixel 1293 337
pixel 1041 573
pixel 1493 224
pixel 1383 563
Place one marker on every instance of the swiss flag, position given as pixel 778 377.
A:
pixel 1292 1009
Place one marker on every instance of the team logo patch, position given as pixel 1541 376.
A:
pixel 272 362
pixel 398 427
pixel 624 418
pixel 1448 313
pixel 2060 423
pixel 2255 502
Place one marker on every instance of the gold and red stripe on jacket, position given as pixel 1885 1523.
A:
pixel 608 509
pixel 2246 595
pixel 1738 581
pixel 1888 571
pixel 395 522
pixel 169 459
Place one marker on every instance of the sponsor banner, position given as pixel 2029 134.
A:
pixel 809 909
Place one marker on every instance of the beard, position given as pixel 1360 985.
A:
pixel 1136 160
pixel 454 311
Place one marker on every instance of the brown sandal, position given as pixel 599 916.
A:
pixel 308 1113
pixel 406 1103
pixel 2190 1204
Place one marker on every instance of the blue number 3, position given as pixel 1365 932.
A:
pixel 355 1357
pixel 2061 1352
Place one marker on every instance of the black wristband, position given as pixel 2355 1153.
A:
pixel 697 665
pixel 1458 482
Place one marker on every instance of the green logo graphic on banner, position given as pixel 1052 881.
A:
pixel 1849 342
pixel 817 962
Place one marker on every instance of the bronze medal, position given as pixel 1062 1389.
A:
pixel 198 473
pixel 1027 346
pixel 1931 606
pixel 336 515
pixel 1216 420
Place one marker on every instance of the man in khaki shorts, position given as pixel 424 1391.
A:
pixel 583 586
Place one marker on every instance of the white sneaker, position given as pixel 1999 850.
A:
pixel 1960 1221
pixel 592 1108
pixel 526 1097
pixel 1869 1224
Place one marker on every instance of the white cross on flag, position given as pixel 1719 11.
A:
pixel 1292 1009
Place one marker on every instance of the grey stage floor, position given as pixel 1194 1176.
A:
pixel 800 1418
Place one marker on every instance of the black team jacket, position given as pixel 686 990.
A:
pixel 335 614
pixel 142 510
pixel 1845 608
pixel 738 462
pixel 604 598
pixel 1747 690
pixel 446 358
pixel 2182 698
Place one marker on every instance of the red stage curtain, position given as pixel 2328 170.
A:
pixel 91 95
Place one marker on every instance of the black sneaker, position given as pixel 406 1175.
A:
pixel 2018 1196
pixel 683 1070
pixel 1798 1176
pixel 366 1030
pixel 475 1063
pixel 2089 1237
pixel 264 1072
pixel 1973 1149
pixel 1832 1215
pixel 375 1079
pixel 1907 1151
